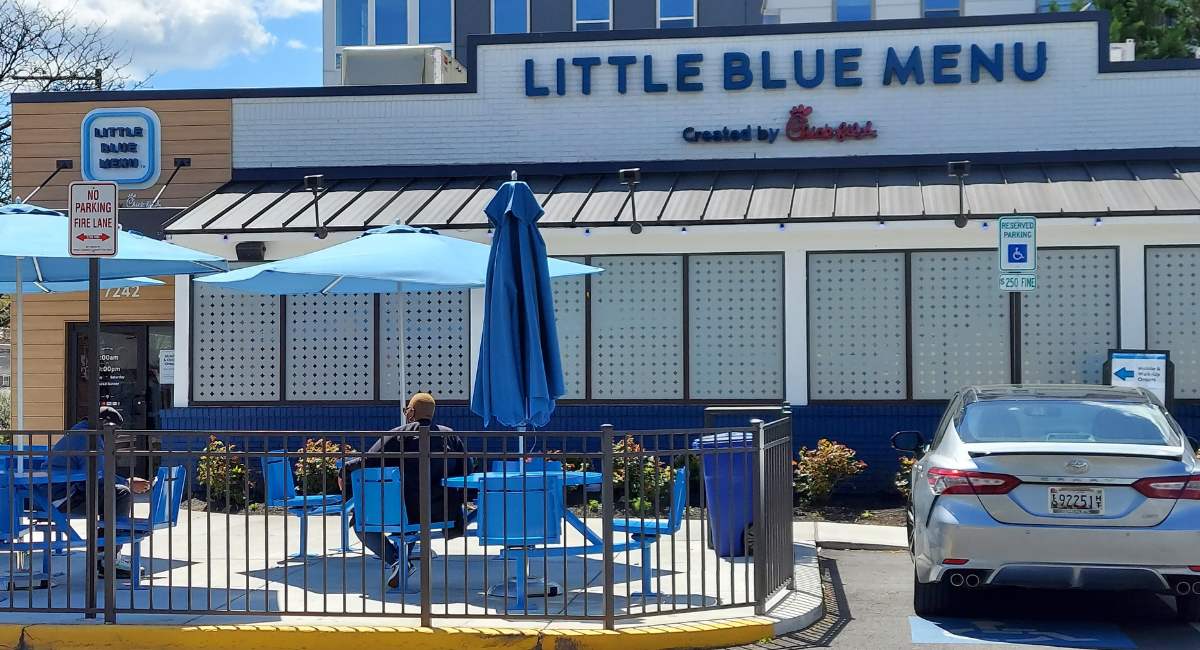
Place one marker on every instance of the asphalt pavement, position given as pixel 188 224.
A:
pixel 868 599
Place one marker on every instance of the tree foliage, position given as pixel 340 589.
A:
pixel 1163 29
pixel 39 42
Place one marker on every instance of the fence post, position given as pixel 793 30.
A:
pixel 110 525
pixel 761 529
pixel 607 512
pixel 426 536
pixel 92 517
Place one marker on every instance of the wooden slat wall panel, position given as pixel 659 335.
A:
pixel 46 319
pixel 197 129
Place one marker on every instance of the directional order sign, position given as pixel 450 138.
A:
pixel 93 216
pixel 1141 369
pixel 1018 244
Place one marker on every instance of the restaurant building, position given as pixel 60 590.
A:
pixel 797 240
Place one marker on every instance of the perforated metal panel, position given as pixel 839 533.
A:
pixel 236 346
pixel 1173 312
pixel 735 326
pixel 637 328
pixel 1070 322
pixel 330 347
pixel 856 326
pixel 960 323
pixel 570 314
pixel 437 333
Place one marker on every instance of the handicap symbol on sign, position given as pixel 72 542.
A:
pixel 1018 253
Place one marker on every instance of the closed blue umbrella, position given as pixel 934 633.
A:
pixel 519 373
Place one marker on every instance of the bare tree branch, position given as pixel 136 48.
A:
pixel 37 41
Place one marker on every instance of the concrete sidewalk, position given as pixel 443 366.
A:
pixel 852 537
pixel 209 563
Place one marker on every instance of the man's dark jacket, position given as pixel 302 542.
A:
pixel 445 503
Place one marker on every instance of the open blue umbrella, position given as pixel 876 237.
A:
pixel 519 373
pixel 391 259
pixel 34 250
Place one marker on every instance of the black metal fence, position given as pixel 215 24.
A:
pixel 602 525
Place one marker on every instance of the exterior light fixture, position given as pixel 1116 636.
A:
pixel 959 169
pixel 315 184
pixel 631 177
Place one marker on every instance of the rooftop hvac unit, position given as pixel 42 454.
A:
pixel 384 65
pixel 1126 51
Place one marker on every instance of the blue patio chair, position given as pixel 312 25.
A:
pixel 645 532
pixel 165 499
pixel 379 510
pixel 346 513
pixel 520 513
pixel 279 486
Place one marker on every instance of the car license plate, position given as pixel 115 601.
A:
pixel 1076 501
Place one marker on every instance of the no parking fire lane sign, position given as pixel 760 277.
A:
pixel 93 217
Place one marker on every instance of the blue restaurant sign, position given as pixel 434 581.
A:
pixel 939 65
pixel 121 145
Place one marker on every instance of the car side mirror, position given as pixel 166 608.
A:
pixel 908 441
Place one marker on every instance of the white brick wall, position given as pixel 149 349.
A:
pixel 1071 107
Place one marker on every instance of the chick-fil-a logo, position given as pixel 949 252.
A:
pixel 799 129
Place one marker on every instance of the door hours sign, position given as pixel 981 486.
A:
pixel 93 217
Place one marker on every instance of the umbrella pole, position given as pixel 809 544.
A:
pixel 403 376
pixel 19 374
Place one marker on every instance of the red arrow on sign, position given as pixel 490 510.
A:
pixel 101 237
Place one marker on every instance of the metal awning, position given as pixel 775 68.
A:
pixel 1104 189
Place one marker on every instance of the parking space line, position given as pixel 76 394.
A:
pixel 985 632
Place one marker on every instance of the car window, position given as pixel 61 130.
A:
pixel 1048 420
pixel 950 414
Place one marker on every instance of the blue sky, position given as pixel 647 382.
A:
pixel 293 59
pixel 208 43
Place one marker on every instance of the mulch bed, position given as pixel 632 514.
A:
pixel 879 510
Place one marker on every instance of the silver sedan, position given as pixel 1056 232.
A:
pixel 1054 487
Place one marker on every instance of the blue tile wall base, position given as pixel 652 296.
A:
pixel 865 428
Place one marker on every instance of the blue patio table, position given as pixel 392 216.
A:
pixel 28 484
pixel 570 479
pixel 33 487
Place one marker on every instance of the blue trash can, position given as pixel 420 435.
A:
pixel 729 489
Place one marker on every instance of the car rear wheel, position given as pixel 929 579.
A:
pixel 1188 608
pixel 931 598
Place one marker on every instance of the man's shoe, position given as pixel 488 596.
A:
pixel 124 570
pixel 393 581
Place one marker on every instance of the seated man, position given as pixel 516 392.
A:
pixel 445 505
pixel 71 498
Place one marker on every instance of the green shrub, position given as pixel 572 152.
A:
pixel 645 480
pixel 5 409
pixel 816 472
pixel 223 475
pixel 903 480
pixel 318 472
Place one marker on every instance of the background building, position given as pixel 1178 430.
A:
pixel 447 23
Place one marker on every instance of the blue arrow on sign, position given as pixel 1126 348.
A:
pixel 1124 374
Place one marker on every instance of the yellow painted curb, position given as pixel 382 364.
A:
pixel 324 637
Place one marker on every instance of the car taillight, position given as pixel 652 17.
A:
pixel 961 481
pixel 1170 487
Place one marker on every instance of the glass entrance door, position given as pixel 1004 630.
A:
pixel 130 372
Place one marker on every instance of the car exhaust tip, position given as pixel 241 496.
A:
pixel 1183 588
pixel 972 580
pixel 957 580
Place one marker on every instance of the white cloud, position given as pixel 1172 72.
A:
pixel 287 8
pixel 296 44
pixel 163 35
